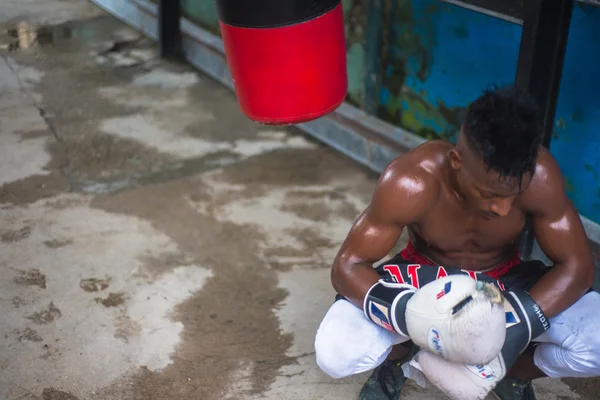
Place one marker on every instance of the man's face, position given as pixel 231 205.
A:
pixel 485 191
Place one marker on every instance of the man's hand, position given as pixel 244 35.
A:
pixel 455 317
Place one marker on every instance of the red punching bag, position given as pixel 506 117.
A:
pixel 287 57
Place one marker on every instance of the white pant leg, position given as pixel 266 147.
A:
pixel 571 347
pixel 347 343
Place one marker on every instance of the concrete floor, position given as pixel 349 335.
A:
pixel 154 243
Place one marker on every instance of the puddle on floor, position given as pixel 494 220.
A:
pixel 23 36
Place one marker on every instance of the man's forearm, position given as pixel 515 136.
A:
pixel 561 287
pixel 354 282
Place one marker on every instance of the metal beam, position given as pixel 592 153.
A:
pixel 541 57
pixel 542 53
pixel 169 29
pixel 373 38
pixel 508 10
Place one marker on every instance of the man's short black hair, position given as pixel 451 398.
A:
pixel 502 127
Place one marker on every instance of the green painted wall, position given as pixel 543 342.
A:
pixel 203 12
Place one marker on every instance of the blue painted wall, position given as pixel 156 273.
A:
pixel 576 143
pixel 440 57
pixel 444 55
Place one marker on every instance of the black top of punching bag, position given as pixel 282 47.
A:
pixel 271 13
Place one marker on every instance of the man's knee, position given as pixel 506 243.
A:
pixel 347 343
pixel 584 355
pixel 585 341
pixel 333 360
pixel 339 359
pixel 580 358
pixel 574 348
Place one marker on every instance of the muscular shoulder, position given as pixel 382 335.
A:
pixel 546 193
pixel 411 184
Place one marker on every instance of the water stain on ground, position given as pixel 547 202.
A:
pixel 32 277
pixel 153 267
pixel 242 293
pixel 233 124
pixel 113 300
pixel 18 301
pixel 36 187
pixel 56 243
pixel 49 351
pixel 43 133
pixel 66 75
pixel 289 167
pixel 311 239
pixel 586 388
pixel 30 335
pixel 231 321
pixel 54 394
pixel 16 235
pixel 125 328
pixel 46 316
pixel 153 175
pixel 313 211
pixel 24 36
pixel 97 155
pixel 93 284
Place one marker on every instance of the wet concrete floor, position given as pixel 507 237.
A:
pixel 154 243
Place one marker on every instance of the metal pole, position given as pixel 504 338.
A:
pixel 169 30
pixel 541 57
pixel 542 53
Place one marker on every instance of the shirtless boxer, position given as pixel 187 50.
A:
pixel 465 206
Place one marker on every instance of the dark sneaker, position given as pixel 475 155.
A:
pixel 514 389
pixel 385 383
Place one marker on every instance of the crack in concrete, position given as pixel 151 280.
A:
pixel 66 164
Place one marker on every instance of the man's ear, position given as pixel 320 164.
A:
pixel 455 159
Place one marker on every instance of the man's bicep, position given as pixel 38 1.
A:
pixel 556 224
pixel 378 228
pixel 564 241
pixel 370 239
pixel 560 234
pixel 373 235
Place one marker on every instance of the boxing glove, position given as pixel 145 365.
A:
pixel 525 321
pixel 454 317
pixel 456 381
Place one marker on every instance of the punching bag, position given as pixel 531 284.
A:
pixel 287 58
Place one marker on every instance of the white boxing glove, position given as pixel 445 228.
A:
pixel 457 381
pixel 455 317
pixel 525 321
